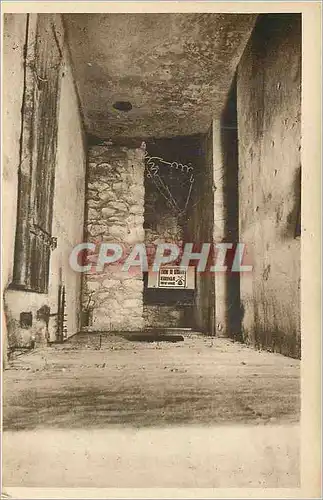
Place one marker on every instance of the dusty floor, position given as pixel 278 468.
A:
pixel 199 413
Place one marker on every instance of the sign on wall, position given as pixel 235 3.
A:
pixel 172 277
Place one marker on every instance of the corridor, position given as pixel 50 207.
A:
pixel 171 142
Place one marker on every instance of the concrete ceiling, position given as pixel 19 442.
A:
pixel 175 69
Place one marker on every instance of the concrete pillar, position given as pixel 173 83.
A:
pixel 219 227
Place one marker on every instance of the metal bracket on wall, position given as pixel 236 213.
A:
pixel 61 329
pixel 53 242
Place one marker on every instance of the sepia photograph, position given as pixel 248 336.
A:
pixel 155 199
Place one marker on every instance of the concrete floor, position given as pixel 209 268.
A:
pixel 199 413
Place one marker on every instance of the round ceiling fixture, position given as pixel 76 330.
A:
pixel 122 105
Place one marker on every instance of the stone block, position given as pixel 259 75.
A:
pixel 133 304
pixel 107 212
pixel 134 285
pixel 93 214
pixel 137 209
pixel 107 195
pixel 93 286
pixel 118 206
pixel 96 186
pixel 118 186
pixel 96 229
pixel 109 283
pixel 117 231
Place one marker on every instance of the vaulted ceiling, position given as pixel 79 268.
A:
pixel 174 69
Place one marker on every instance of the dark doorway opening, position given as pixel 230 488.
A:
pixel 172 167
pixel 229 138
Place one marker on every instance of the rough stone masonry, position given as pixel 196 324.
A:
pixel 114 213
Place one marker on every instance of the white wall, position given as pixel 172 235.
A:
pixel 68 213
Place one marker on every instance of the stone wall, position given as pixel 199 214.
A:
pixel 269 125
pixel 68 211
pixel 114 214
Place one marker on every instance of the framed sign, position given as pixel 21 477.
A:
pixel 172 277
